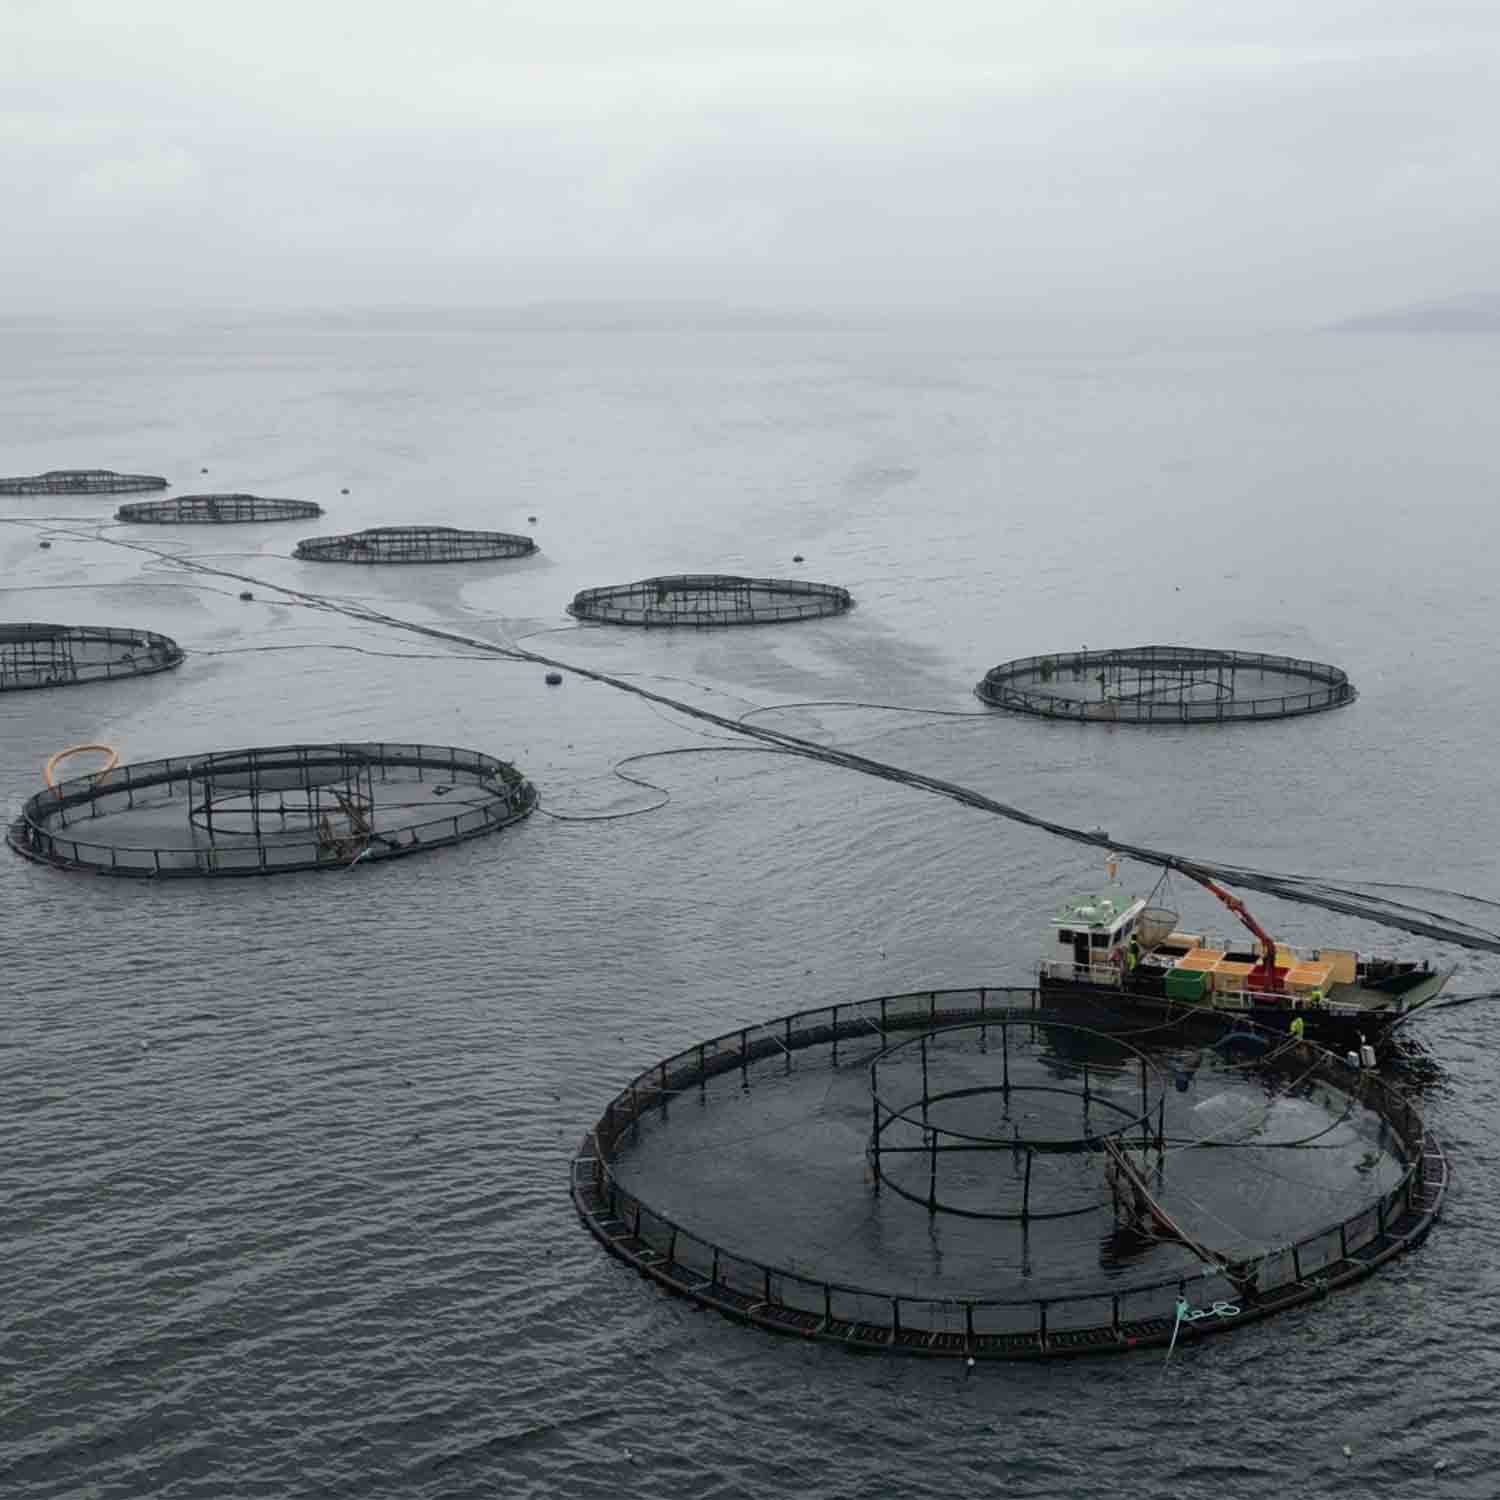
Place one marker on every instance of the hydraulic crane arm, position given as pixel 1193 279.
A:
pixel 1268 943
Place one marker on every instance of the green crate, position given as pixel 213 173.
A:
pixel 1186 984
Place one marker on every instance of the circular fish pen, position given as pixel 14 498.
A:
pixel 42 656
pixel 965 1173
pixel 270 810
pixel 1165 685
pixel 219 510
pixel 414 544
pixel 700 599
pixel 80 482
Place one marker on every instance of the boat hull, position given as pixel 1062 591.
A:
pixel 1341 1025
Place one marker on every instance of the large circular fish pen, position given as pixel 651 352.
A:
pixel 80 482
pixel 1165 685
pixel 221 510
pixel 414 544
pixel 709 599
pixel 272 810
pixel 41 656
pixel 965 1173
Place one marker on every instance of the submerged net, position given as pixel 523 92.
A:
pixel 1006 1182
pixel 271 810
pixel 709 599
pixel 80 482
pixel 414 544
pixel 1165 685
pixel 216 509
pixel 39 656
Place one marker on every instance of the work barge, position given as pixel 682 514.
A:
pixel 1131 956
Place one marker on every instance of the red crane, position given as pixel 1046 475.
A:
pixel 1270 978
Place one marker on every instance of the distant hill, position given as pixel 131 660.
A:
pixel 564 316
pixel 1475 314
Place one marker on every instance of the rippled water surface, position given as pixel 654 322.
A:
pixel 285 1180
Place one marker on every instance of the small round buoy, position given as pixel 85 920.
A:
pixel 44 545
pixel 554 679
pixel 531 519
pixel 796 557
pixel 343 492
pixel 246 595
pixel 203 471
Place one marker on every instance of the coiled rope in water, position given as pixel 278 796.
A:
pixel 61 755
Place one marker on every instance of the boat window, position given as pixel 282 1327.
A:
pixel 1065 934
pixel 1101 940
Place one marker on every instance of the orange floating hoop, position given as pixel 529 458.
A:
pixel 109 750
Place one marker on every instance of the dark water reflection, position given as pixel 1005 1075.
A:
pixel 286 1165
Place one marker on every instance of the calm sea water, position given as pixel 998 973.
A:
pixel 285 1179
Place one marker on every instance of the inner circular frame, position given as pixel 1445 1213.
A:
pixel 885 1114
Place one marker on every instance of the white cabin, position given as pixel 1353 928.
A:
pixel 1089 935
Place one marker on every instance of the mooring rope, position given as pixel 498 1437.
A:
pixel 1302 889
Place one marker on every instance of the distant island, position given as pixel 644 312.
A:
pixel 569 316
pixel 1474 314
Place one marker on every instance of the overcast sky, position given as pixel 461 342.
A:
pixel 1250 160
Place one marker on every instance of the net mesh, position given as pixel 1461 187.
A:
pixel 414 544
pixel 699 599
pixel 39 656
pixel 1116 1313
pixel 80 482
pixel 269 810
pixel 216 509
pixel 1165 685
